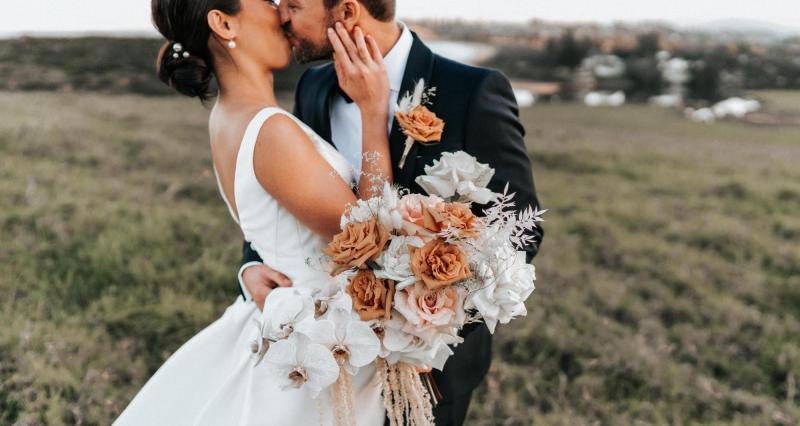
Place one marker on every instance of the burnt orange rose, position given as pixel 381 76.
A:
pixel 457 216
pixel 439 264
pixel 372 296
pixel 421 124
pixel 356 244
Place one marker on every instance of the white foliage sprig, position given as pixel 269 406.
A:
pixel 502 220
pixel 419 96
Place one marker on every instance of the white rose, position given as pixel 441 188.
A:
pixel 458 173
pixel 396 261
pixel 511 283
pixel 428 350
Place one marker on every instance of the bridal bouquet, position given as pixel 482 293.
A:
pixel 410 271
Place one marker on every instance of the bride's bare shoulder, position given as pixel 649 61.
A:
pixel 281 128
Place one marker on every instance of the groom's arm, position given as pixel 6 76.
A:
pixel 494 135
pixel 249 258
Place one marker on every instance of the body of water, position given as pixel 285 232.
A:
pixel 470 53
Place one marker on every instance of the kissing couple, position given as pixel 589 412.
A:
pixel 288 178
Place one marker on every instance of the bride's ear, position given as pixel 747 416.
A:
pixel 349 13
pixel 225 27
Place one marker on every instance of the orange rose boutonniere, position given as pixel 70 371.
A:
pixel 419 124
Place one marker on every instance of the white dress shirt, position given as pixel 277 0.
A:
pixel 346 117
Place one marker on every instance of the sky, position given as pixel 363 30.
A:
pixel 30 16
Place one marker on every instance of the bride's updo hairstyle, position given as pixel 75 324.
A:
pixel 185 62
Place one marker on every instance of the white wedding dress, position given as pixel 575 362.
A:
pixel 213 378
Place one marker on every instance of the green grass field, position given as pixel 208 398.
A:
pixel 668 285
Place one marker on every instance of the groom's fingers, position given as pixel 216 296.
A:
pixel 340 52
pixel 260 296
pixel 375 50
pixel 276 278
pixel 361 44
pixel 337 65
pixel 344 36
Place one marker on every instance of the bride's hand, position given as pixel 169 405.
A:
pixel 360 69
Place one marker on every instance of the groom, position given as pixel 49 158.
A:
pixel 481 116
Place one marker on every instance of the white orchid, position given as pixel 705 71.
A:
pixel 330 297
pixel 285 311
pixel 352 342
pixel 511 281
pixel 395 261
pixel 458 173
pixel 297 363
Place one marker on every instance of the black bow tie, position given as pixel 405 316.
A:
pixel 343 95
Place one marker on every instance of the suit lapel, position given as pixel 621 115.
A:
pixel 322 104
pixel 419 66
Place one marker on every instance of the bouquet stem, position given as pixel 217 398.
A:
pixel 433 390
pixel 405 397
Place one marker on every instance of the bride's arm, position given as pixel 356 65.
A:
pixel 362 75
pixel 288 165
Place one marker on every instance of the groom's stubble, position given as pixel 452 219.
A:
pixel 307 50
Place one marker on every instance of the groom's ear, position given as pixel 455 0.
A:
pixel 222 25
pixel 349 13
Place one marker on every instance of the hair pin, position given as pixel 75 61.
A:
pixel 177 48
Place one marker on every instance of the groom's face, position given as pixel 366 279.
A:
pixel 305 23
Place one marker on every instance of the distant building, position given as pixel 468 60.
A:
pixel 605 99
pixel 676 72
pixel 604 73
pixel 525 98
pixel 531 92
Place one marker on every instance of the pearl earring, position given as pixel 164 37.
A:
pixel 232 44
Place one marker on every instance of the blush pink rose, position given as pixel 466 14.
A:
pixel 415 211
pixel 423 307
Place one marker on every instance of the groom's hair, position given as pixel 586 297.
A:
pixel 382 10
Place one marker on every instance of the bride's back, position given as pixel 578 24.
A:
pixel 280 238
pixel 226 130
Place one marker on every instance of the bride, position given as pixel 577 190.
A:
pixel 286 188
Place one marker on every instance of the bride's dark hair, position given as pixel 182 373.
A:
pixel 186 22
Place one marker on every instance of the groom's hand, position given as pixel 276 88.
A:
pixel 260 280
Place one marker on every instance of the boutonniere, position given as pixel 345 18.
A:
pixel 419 124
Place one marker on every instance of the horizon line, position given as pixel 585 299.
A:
pixel 153 33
